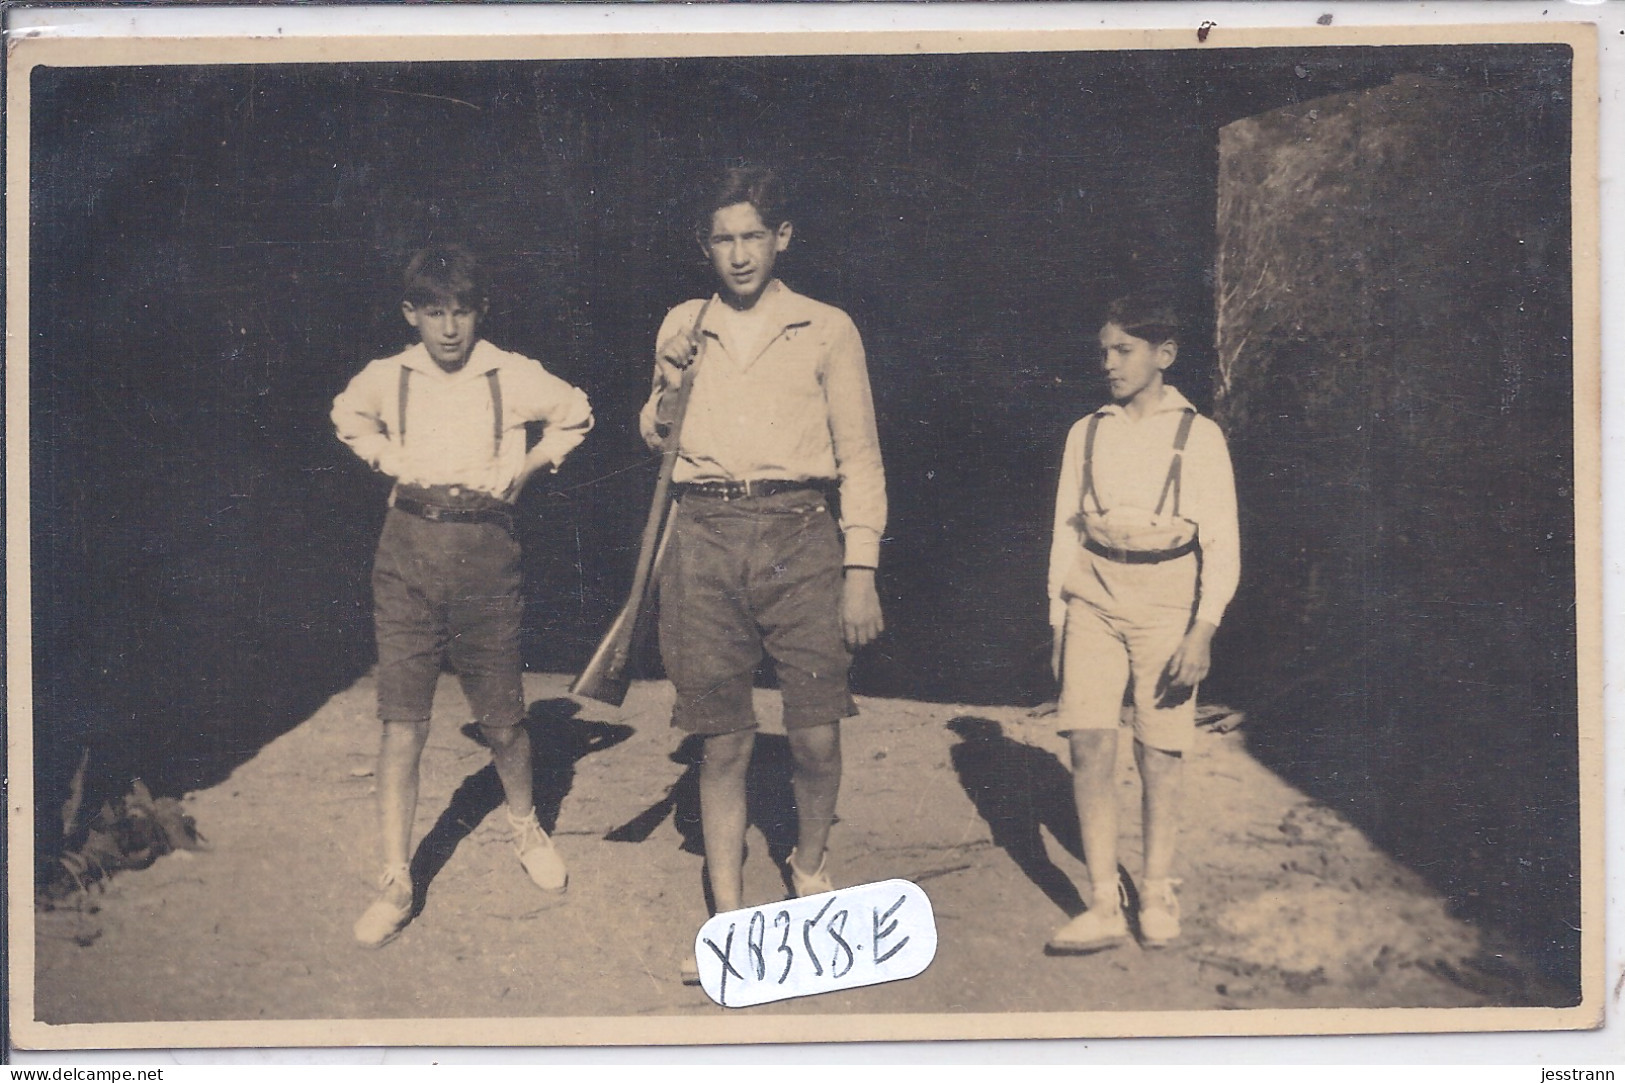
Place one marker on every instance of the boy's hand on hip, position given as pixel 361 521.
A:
pixel 517 485
pixel 861 620
pixel 533 462
pixel 391 466
pixel 1192 659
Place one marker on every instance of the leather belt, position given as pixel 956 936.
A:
pixel 436 514
pixel 1139 556
pixel 740 490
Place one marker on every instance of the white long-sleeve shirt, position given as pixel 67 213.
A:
pixel 450 432
pixel 793 404
pixel 1130 467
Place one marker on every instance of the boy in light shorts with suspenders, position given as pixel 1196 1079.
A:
pixel 1144 558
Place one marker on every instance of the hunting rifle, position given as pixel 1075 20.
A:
pixel 607 676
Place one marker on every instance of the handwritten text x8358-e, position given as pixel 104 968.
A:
pixel 844 939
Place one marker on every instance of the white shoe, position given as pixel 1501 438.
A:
pixel 810 883
pixel 1091 931
pixel 1096 929
pixel 1159 913
pixel 390 912
pixel 542 863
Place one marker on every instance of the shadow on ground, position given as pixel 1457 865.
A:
pixel 1019 790
pixel 769 803
pixel 559 740
pixel 1449 741
pixel 176 642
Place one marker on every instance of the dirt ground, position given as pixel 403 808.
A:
pixel 1286 905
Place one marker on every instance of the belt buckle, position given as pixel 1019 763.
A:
pixel 431 513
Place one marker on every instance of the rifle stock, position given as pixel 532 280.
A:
pixel 607 675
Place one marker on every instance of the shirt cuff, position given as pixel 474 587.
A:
pixel 1213 617
pixel 862 548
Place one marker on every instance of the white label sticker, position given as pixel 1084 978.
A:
pixel 857 936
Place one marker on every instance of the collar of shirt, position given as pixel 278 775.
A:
pixel 483 358
pixel 1172 401
pixel 780 309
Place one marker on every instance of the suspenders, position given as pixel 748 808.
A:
pixel 496 415
pixel 406 383
pixel 1186 420
pixel 496 408
pixel 1088 463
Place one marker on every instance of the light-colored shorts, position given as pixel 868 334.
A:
pixel 1123 624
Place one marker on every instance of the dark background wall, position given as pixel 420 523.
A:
pixel 1405 462
pixel 215 250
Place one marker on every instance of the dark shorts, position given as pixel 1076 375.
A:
pixel 744 577
pixel 447 591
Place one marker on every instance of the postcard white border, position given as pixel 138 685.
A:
pixel 171 35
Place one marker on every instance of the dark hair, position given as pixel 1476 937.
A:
pixel 444 273
pixel 754 184
pixel 1149 317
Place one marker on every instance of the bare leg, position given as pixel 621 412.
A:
pixel 722 814
pixel 510 751
pixel 816 752
pixel 1094 771
pixel 1161 776
pixel 400 749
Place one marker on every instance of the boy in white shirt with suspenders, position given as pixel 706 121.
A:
pixel 1144 558
pixel 446 420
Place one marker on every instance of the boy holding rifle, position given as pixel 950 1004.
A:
pixel 446 420
pixel 779 420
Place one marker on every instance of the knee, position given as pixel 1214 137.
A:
pixel 402 742
pixel 501 738
pixel 728 753
pixel 1093 751
pixel 816 750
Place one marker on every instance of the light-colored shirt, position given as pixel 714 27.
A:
pixel 795 406
pixel 1130 468
pixel 452 432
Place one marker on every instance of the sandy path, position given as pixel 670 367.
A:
pixel 1286 905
